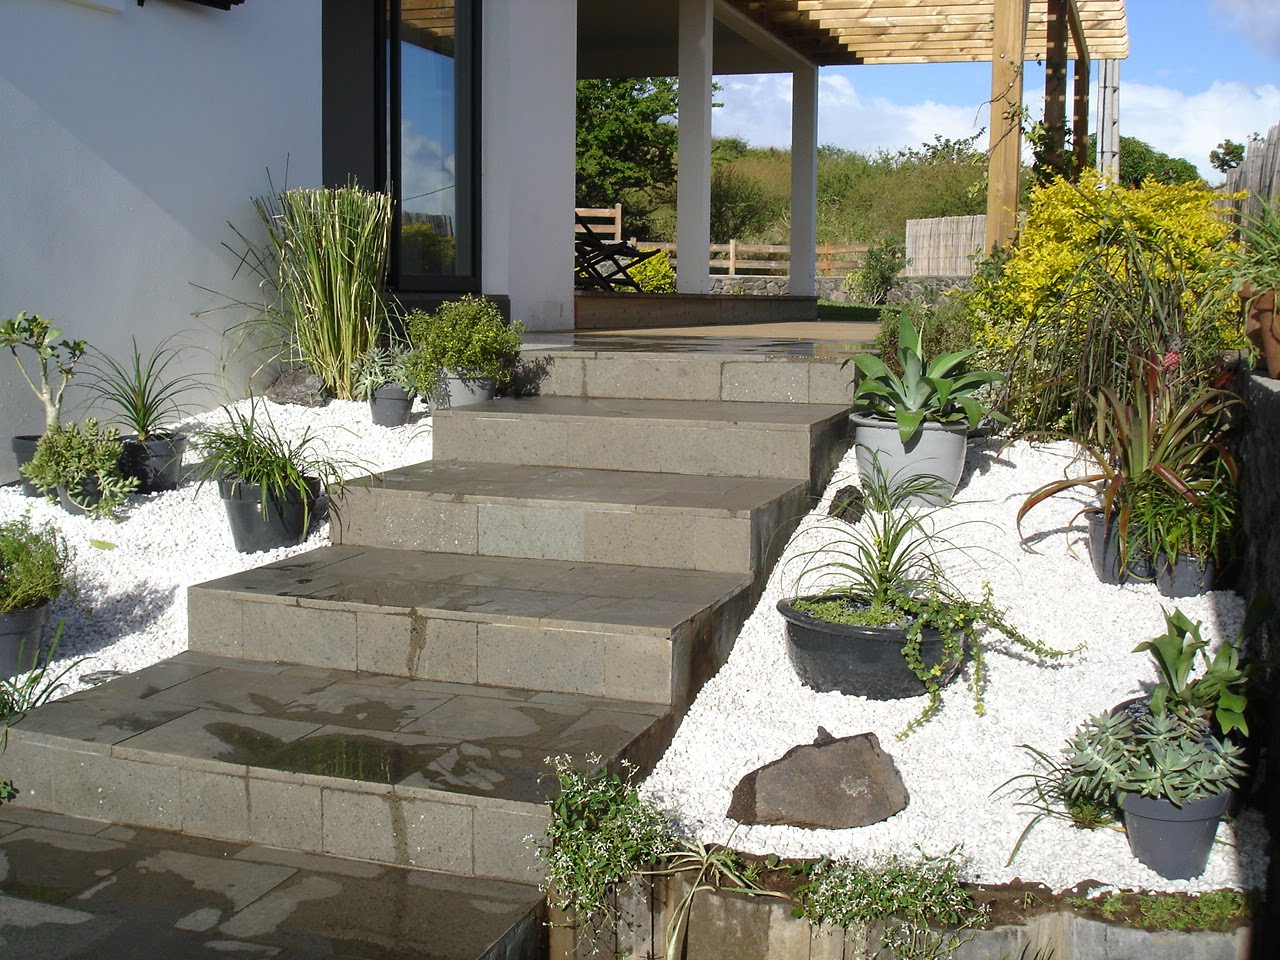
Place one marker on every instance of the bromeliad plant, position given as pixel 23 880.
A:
pixel 941 390
pixel 55 356
pixel 145 396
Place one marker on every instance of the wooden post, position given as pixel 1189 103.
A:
pixel 733 257
pixel 1004 165
pixel 617 221
pixel 1055 86
pixel 1080 120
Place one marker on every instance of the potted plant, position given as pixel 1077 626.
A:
pixel 33 567
pixel 462 352
pixel 271 486
pixel 79 465
pixel 1169 434
pixel 886 622
pixel 1187 531
pixel 146 399
pixel 1167 762
pixel 385 377
pixel 55 355
pixel 1256 277
pixel 918 423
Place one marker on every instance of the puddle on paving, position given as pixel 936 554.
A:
pixel 333 755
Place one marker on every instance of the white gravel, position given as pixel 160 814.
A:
pixel 131 612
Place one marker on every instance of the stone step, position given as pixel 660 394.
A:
pixel 612 630
pixel 790 371
pixel 729 524
pixel 76 888
pixel 801 441
pixel 446 777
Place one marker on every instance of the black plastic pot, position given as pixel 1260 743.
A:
pixel 284 522
pixel 390 405
pixel 156 461
pixel 24 448
pixel 857 661
pixel 82 499
pixel 1173 841
pixel 20 633
pixel 1185 576
pixel 1104 552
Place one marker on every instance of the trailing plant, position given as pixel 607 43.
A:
pixel 83 460
pixel 248 449
pixel 322 268
pixel 903 901
pixel 1097 275
pixel 55 356
pixel 468 336
pixel 873 281
pixel 886 571
pixel 939 390
pixel 381 366
pixel 140 389
pixel 34 561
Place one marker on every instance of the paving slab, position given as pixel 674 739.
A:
pixel 101 891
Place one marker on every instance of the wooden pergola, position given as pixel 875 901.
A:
pixel 1007 33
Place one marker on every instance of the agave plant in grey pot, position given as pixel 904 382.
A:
pixel 385 377
pixel 918 423
pixel 273 487
pixel 146 399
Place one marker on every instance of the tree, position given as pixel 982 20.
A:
pixel 626 140
pixel 1227 156
pixel 1139 160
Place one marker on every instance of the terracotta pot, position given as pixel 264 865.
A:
pixel 1262 327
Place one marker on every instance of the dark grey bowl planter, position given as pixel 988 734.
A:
pixel 1104 553
pixel 1185 576
pixel 24 448
pixel 156 461
pixel 390 405
pixel 857 661
pixel 1173 841
pixel 285 522
pixel 20 634
pixel 937 450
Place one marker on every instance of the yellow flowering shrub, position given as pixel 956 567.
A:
pixel 1101 272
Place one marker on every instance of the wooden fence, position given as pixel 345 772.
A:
pixel 736 258
pixel 944 246
pixel 1260 172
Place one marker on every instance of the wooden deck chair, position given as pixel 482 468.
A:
pixel 604 264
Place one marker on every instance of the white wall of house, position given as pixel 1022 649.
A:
pixel 129 137
pixel 527 160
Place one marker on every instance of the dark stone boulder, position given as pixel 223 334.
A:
pixel 297 384
pixel 829 784
pixel 848 505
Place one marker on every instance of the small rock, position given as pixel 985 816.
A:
pixel 848 504
pixel 829 784
pixel 98 677
pixel 299 385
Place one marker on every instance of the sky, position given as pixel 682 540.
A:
pixel 1198 72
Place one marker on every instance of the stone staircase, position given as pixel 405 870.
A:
pixel 561 578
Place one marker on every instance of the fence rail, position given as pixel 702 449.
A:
pixel 738 259
pixel 1259 174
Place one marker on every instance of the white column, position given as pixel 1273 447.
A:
pixel 804 180
pixel 527 177
pixel 693 189
pixel 1108 160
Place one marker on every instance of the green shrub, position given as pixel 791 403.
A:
pixel 1100 276
pixel 874 278
pixel 946 327
pixel 33 564
pixel 655 275
pixel 468 336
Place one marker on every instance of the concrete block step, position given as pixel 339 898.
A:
pixel 624 632
pixel 793 372
pixel 795 440
pixel 730 524
pixel 76 887
pixel 446 777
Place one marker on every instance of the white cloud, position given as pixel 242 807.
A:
pixel 1257 20
pixel 427 173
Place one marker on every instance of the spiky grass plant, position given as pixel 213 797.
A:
pixel 140 389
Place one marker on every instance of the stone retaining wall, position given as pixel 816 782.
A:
pixel 726 926
pixel 928 289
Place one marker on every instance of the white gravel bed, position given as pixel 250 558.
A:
pixel 755 709
pixel 131 604
pixel 131 612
